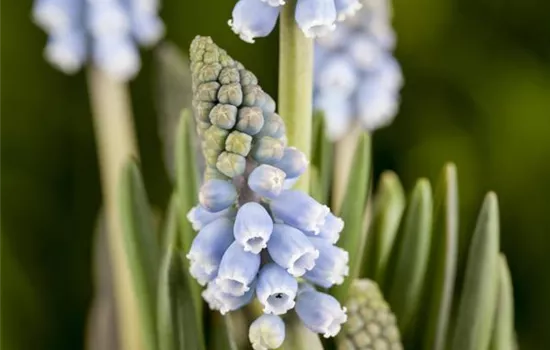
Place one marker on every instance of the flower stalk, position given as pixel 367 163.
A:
pixel 116 142
pixel 295 85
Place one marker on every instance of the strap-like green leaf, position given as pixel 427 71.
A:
pixel 353 236
pixel 222 332
pixel 176 314
pixel 141 248
pixel 438 295
pixel 389 204
pixel 503 330
pixel 321 160
pixel 186 187
pixel 409 261
pixel 477 301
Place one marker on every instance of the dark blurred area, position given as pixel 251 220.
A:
pixel 477 93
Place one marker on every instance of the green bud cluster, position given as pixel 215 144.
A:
pixel 235 118
pixel 371 325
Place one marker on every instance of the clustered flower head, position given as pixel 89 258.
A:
pixel 257 18
pixel 357 79
pixel 257 237
pixel 104 30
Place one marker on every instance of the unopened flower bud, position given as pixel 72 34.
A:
pixel 267 332
pixel 209 72
pixel 214 138
pixel 273 126
pixel 250 120
pixel 299 210
pixel 217 195
pixel 211 156
pixel 238 142
pixel 231 94
pixel 231 164
pixel 200 217
pixel 212 173
pixel 293 163
pixel 202 110
pixel 207 91
pixel 266 180
pixel 320 312
pixel 224 116
pixel 229 75
pixel 268 150
pixel 247 77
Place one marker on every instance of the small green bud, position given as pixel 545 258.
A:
pixel 214 138
pixel 225 59
pixel 231 93
pixel 238 142
pixel 211 55
pixel 211 173
pixel 209 72
pixel 239 65
pixel 202 110
pixel 268 150
pixel 250 120
pixel 274 126
pixel 211 156
pixel 229 75
pixel 247 77
pixel 371 324
pixel 224 116
pixel 269 104
pixel 196 67
pixel 231 164
pixel 253 96
pixel 207 92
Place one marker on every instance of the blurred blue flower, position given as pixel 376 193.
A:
pixel 276 289
pixel 267 332
pixel 332 265
pixel 346 8
pixel 292 250
pixel 109 28
pixel 357 80
pixel 238 268
pixel 266 180
pixel 216 195
pixel 253 227
pixel 297 209
pixel 208 248
pixel 253 18
pixel 320 312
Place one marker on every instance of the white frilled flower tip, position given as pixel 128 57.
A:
pixel 103 32
pixel 238 269
pixel 292 250
pixel 276 289
pixel 332 265
pixel 200 217
pixel 316 17
pixel 320 312
pixel 267 332
pixel 218 300
pixel 346 8
pixel 253 19
pixel 253 227
pixel 297 209
pixel 208 248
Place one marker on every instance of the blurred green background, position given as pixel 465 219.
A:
pixel 477 92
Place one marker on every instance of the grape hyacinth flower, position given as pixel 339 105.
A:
pixel 256 18
pixel 356 78
pixel 106 32
pixel 320 312
pixel 255 236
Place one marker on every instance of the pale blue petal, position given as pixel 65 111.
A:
pixel 253 227
pixel 208 248
pixel 238 269
pixel 67 51
pixel 147 28
pixel 338 74
pixel 365 52
pixel 107 19
pixel 315 17
pixel 57 16
pixel 200 217
pixel 252 19
pixel 216 195
pixel 337 111
pixel 289 183
pixel 376 107
pixel 332 265
pixel 276 289
pixel 266 180
pixel 297 209
pixel 267 332
pixel 291 249
pixel 320 312
pixel 117 56
pixel 330 230
pixel 346 8
pixel 294 162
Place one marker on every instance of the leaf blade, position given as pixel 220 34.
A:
pixel 503 330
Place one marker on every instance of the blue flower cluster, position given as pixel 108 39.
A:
pixel 257 237
pixel 113 27
pixel 357 80
pixel 257 18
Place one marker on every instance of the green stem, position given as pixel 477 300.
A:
pixel 296 84
pixel 115 139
